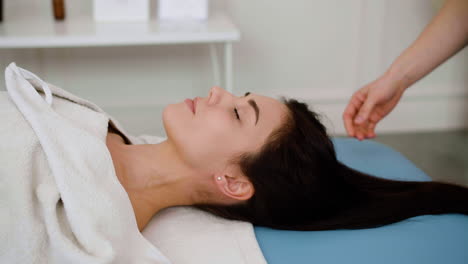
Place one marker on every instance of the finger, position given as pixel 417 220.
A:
pixel 358 136
pixel 364 131
pixel 375 116
pixel 348 121
pixel 359 96
pixel 355 103
pixel 348 117
pixel 349 126
pixel 370 134
pixel 350 112
pixel 365 111
pixel 359 133
pixel 371 130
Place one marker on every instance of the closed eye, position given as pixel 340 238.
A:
pixel 237 114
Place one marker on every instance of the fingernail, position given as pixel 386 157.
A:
pixel 359 119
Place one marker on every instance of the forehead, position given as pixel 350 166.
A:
pixel 271 105
pixel 272 113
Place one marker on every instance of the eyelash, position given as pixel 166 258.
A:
pixel 237 114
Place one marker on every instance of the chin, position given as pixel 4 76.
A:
pixel 173 121
pixel 166 119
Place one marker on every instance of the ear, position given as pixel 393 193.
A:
pixel 232 183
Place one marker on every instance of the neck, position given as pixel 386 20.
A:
pixel 154 177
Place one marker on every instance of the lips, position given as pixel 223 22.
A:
pixel 191 104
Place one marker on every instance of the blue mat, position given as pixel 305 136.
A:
pixel 427 239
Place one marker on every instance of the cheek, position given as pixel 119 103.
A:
pixel 201 140
pixel 216 126
pixel 213 137
pixel 211 131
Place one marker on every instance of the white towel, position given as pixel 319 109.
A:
pixel 61 201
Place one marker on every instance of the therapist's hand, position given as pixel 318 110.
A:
pixel 370 104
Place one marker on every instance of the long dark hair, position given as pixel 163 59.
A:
pixel 300 185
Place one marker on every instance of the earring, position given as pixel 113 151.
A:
pixel 219 178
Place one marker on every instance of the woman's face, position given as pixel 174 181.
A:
pixel 208 138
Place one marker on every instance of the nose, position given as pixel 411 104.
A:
pixel 215 95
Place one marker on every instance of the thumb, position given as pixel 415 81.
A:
pixel 365 111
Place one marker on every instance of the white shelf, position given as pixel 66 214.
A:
pixel 85 32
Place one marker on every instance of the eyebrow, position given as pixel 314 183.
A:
pixel 255 107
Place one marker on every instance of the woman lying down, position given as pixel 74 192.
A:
pixel 81 182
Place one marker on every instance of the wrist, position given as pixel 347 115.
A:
pixel 399 76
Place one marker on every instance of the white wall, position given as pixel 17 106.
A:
pixel 317 51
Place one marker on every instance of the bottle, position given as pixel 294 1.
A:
pixel 59 9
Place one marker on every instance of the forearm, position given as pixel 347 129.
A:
pixel 445 35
